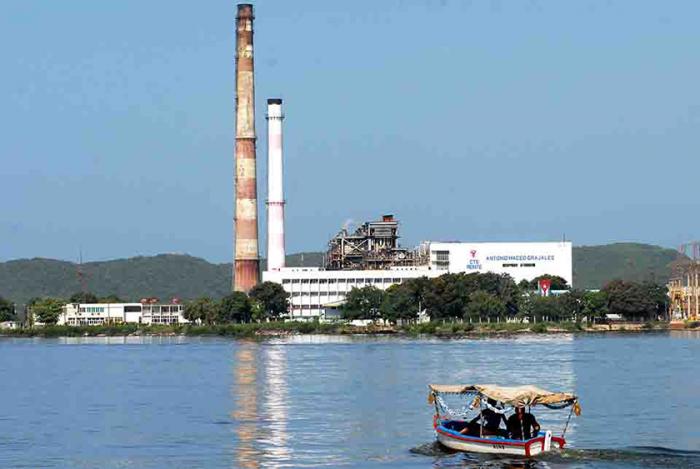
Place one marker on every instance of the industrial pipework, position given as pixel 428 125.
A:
pixel 275 192
pixel 246 261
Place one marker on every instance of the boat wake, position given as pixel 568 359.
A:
pixel 642 456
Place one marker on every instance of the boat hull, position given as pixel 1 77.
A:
pixel 543 443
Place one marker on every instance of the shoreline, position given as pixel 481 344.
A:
pixel 282 329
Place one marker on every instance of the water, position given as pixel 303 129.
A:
pixel 312 401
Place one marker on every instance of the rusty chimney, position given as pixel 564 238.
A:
pixel 246 262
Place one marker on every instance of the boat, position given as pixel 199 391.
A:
pixel 453 430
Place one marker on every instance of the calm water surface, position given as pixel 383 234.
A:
pixel 333 401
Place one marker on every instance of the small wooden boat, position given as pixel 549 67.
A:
pixel 456 430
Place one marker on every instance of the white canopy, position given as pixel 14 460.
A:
pixel 510 395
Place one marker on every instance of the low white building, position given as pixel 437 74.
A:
pixel 314 291
pixel 94 314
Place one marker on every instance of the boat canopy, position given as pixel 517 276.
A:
pixel 510 395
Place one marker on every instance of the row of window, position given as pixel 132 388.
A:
pixel 318 293
pixel 521 265
pixel 341 280
pixel 314 306
pixel 165 320
pixel 92 309
pixel 162 309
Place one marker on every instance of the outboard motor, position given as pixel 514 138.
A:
pixel 547 441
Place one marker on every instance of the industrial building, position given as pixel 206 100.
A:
pixel 371 256
pixel 96 314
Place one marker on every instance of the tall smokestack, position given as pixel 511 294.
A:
pixel 275 192
pixel 246 262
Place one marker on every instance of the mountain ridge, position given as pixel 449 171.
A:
pixel 186 276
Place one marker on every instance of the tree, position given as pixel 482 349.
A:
pixel 202 309
pixel 447 297
pixel 111 299
pixel 484 305
pixel 595 305
pixel 571 305
pixel 7 310
pixel 47 310
pixel 545 307
pixel 83 297
pixel 525 286
pixel 363 303
pixel 235 307
pixel 271 298
pixel 635 300
pixel 405 300
pixel 398 304
pixel 558 283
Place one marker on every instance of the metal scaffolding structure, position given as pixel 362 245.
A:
pixel 372 246
pixel 684 285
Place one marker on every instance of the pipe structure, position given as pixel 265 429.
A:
pixel 275 191
pixel 246 270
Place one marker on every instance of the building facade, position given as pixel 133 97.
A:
pixel 522 261
pixel 314 292
pixel 96 314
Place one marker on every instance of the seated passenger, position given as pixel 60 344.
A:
pixel 491 422
pixel 522 425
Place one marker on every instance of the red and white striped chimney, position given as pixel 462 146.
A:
pixel 275 192
pixel 246 271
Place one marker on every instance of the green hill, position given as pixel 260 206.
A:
pixel 596 265
pixel 174 275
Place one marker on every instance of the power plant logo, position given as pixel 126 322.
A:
pixel 474 263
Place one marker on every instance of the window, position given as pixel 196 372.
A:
pixel 285 280
pixel 305 280
pixel 442 256
pixel 295 280
pixel 395 280
pixel 132 309
pixel 331 280
pixel 527 265
pixel 341 280
pixel 377 280
pixel 510 265
pixel 314 280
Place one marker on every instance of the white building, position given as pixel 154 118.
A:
pixel 313 291
pixel 522 261
pixel 311 288
pixel 93 314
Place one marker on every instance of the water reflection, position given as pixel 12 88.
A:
pixel 246 406
pixel 275 407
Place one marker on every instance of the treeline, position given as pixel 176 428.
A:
pixel 267 301
pixel 489 297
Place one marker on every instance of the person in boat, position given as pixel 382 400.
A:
pixel 522 425
pixel 491 416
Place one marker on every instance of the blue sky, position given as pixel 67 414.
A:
pixel 470 120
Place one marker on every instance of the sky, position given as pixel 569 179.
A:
pixel 468 120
